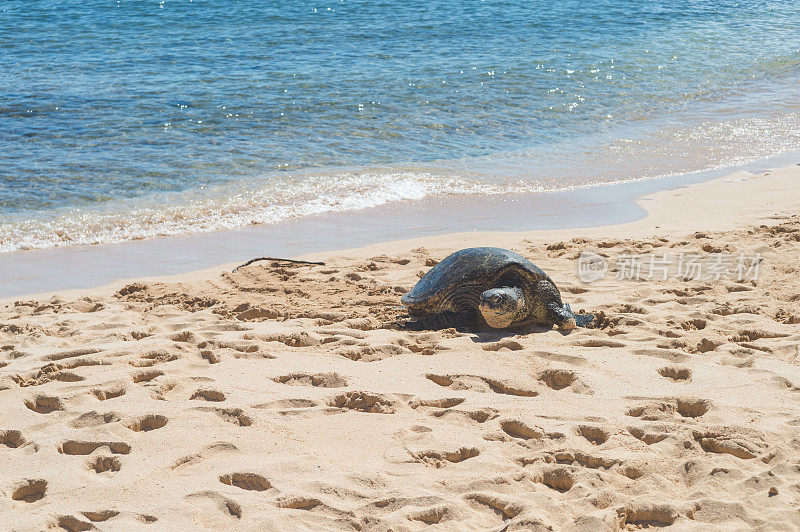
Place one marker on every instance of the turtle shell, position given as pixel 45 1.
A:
pixel 460 278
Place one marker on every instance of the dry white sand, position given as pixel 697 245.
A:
pixel 278 398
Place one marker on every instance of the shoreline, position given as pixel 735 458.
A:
pixel 657 208
pixel 773 198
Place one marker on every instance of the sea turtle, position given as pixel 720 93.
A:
pixel 488 288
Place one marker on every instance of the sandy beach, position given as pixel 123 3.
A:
pixel 281 397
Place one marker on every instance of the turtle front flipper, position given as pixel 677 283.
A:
pixel 461 321
pixel 561 315
pixel 582 319
pixel 566 319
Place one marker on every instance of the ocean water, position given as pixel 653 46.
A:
pixel 125 119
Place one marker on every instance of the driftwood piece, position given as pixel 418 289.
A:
pixel 275 259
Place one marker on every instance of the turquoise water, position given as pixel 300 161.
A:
pixel 126 119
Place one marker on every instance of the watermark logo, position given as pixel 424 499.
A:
pixel 660 266
pixel 591 267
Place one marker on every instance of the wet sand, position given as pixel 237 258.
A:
pixel 51 270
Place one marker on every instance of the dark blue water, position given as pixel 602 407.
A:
pixel 127 119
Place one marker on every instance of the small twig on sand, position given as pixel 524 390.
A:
pixel 251 261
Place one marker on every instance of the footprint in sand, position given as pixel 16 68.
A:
pixel 434 515
pixel 372 353
pixel 73 524
pixel 423 344
pixel 210 356
pixel 212 350
pixel 501 506
pixel 705 345
pixel 99 516
pixel 281 404
pixel 690 407
pixel 558 357
pixel 94 419
pixel 70 353
pixel 481 415
pixel 334 334
pixel 50 372
pixel 577 458
pixel 669 354
pixel 647 515
pixel 44 404
pixel 246 481
pixel 140 335
pixel 440 459
pixel 206 452
pixel 696 324
pixel 599 342
pixel 156 356
pixel 235 416
pixel 729 440
pixel 211 507
pixel 146 376
pixel 593 434
pixel 558 379
pixel 586 460
pixel 676 373
pixel 11 438
pixel 645 436
pixel 108 393
pixel 167 389
pixel 68 376
pixel 299 502
pixel 80 447
pixel 558 478
pixel 364 324
pixel 521 430
pixel 444 402
pixel 245 312
pixel 147 423
pixel 208 395
pixel 29 490
pixel 481 384
pixel 509 345
pixel 364 402
pixel 745 337
pixel 186 337
pixel 297 339
pixel 291 406
pixel 320 380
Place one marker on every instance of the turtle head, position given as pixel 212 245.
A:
pixel 499 306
